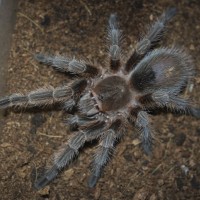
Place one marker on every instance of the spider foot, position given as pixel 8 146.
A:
pixel 170 12
pixel 46 179
pixel 147 148
pixel 40 58
pixel 93 181
pixel 195 112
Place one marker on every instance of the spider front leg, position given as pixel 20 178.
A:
pixel 66 64
pixel 44 96
pixel 152 37
pixel 114 38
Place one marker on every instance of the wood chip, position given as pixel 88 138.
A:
pixel 136 142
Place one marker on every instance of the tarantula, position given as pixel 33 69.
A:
pixel 107 102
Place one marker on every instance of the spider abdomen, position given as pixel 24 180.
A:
pixel 168 69
pixel 112 93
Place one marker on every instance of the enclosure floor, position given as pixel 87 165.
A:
pixel 79 28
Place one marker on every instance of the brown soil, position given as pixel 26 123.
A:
pixel 78 28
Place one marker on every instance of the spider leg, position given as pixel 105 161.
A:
pixel 66 64
pixel 105 150
pixel 65 156
pixel 114 38
pixel 151 38
pixel 44 96
pixel 102 156
pixel 142 123
pixel 163 99
pixel 69 151
pixel 173 102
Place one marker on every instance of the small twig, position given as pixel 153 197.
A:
pixel 37 25
pixel 170 170
pixel 86 7
pixel 35 66
pixel 51 136
pixel 153 172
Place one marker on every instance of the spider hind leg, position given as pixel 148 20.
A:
pixel 151 39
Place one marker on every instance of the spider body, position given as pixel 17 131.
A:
pixel 108 102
